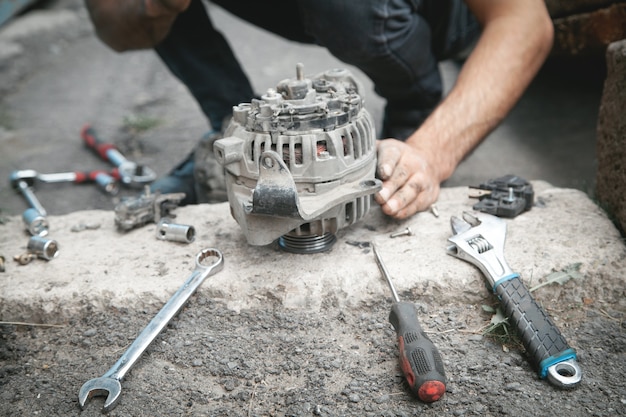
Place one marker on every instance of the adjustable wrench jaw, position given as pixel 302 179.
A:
pixel 132 174
pixel 479 240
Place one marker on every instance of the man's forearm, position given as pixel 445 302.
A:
pixel 513 46
pixel 133 24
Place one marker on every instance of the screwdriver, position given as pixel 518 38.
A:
pixel 419 358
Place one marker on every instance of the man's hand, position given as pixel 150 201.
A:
pixel 410 178
pixel 516 39
pixel 133 24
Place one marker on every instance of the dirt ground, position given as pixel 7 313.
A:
pixel 212 361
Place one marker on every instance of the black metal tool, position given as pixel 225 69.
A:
pixel 419 358
pixel 506 196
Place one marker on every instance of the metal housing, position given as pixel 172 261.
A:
pixel 300 162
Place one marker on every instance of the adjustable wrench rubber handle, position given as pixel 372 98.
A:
pixel 420 360
pixel 543 341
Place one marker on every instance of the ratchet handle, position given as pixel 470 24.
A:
pixel 91 139
pixel 542 340
pixel 92 176
pixel 420 360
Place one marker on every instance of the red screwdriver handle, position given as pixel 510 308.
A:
pixel 419 358
pixel 88 134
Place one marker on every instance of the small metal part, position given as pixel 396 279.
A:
pixel 22 181
pixel 405 232
pixel 506 196
pixel 83 226
pixel 147 208
pixel 36 223
pixel 44 248
pixel 434 210
pixel 306 244
pixel 24 258
pixel 166 230
pixel 2 264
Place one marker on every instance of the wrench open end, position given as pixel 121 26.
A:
pixel 103 386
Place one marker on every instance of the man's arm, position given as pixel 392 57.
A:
pixel 516 39
pixel 133 24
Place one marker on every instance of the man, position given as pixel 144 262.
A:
pixel 397 43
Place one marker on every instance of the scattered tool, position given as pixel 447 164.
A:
pixel 149 207
pixel 43 248
pixel 22 181
pixel 109 384
pixel 406 232
pixel 167 230
pixel 479 239
pixel 506 196
pixel 24 258
pixel 2 264
pixel 130 172
pixel 419 358
pixel 36 224
pixel 106 181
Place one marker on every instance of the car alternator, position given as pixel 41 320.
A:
pixel 300 162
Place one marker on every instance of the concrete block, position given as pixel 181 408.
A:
pixel 611 140
pixel 101 268
pixel 560 8
pixel 588 34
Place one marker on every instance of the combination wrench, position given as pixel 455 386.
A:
pixel 208 262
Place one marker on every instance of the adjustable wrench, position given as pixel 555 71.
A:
pixel 109 384
pixel 130 173
pixel 479 239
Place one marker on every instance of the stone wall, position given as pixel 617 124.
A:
pixel 611 140
pixel 584 28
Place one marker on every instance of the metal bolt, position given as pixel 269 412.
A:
pixel 2 269
pixel 24 258
pixel 405 232
pixel 511 196
pixel 434 210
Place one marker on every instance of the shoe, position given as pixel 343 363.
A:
pixel 199 176
pixel 210 185
pixel 179 180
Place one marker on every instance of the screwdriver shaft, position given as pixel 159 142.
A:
pixel 385 272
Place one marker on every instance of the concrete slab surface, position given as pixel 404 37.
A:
pixel 105 268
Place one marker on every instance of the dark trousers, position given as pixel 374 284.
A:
pixel 397 43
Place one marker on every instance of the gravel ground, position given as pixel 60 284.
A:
pixel 272 361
